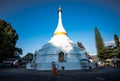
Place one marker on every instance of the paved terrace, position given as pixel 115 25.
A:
pixel 99 74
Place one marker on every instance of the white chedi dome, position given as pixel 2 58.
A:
pixel 68 48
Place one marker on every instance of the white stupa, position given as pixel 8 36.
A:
pixel 60 50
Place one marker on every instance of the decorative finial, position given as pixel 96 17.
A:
pixel 59 9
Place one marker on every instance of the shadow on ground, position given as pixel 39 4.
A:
pixel 99 74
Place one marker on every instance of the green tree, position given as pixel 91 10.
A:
pixel 110 52
pixel 18 51
pixel 101 50
pixel 116 39
pixel 117 43
pixel 8 39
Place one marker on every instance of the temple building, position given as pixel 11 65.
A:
pixel 61 51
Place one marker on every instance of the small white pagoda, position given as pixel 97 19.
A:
pixel 61 51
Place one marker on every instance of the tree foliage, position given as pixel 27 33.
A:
pixel 117 47
pixel 116 39
pixel 18 51
pixel 110 52
pixel 8 39
pixel 106 52
pixel 101 50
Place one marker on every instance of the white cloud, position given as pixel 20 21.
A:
pixel 110 43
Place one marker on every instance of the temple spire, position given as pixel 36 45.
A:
pixel 60 29
pixel 59 9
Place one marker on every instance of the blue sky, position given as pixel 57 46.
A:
pixel 36 20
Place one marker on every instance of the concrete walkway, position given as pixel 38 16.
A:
pixel 99 74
